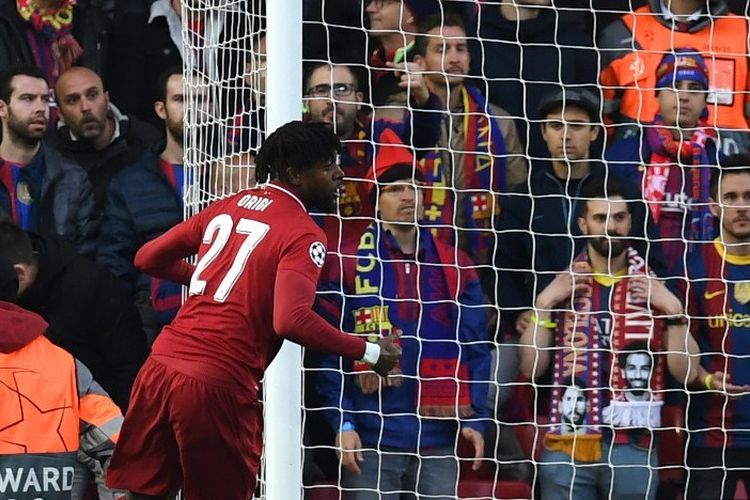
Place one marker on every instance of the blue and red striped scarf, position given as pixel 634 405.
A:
pixel 668 153
pixel 581 361
pixel 166 296
pixel 17 181
pixel 484 180
pixel 379 310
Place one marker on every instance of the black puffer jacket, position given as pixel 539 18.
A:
pixel 90 315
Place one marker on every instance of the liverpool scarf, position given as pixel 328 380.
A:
pixel 381 307
pixel 668 153
pixel 484 179
pixel 580 363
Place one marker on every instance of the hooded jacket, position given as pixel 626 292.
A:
pixel 53 411
pixel 90 313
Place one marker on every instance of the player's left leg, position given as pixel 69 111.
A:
pixel 219 435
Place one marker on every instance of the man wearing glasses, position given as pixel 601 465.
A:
pixel 333 95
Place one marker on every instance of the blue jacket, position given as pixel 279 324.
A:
pixel 141 205
pixel 388 417
pixel 66 202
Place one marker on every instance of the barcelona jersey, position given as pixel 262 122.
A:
pixel 718 302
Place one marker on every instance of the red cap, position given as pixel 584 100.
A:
pixel 393 161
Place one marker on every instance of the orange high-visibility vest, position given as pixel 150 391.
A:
pixel 39 422
pixel 724 45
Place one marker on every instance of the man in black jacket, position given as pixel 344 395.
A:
pixel 538 233
pixel 90 313
pixel 94 133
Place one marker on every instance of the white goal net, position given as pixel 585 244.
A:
pixel 544 205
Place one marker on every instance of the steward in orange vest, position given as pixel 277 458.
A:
pixel 53 413
pixel 632 47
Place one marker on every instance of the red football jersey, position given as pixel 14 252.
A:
pixel 224 331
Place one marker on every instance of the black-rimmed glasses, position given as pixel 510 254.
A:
pixel 338 90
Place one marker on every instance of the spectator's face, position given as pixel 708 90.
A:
pixel 387 15
pixel 569 135
pixel 637 370
pixel 683 105
pixel 83 103
pixel 400 202
pixel 734 208
pixel 172 111
pixel 332 97
pixel 27 113
pixel 605 219
pixel 573 405
pixel 446 58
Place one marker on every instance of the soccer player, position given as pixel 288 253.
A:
pixel 719 305
pixel 194 420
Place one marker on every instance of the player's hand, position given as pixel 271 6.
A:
pixel 477 441
pixel 409 76
pixel 720 382
pixel 349 450
pixel 390 354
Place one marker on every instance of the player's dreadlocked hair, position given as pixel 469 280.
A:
pixel 295 145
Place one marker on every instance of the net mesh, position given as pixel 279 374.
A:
pixel 507 238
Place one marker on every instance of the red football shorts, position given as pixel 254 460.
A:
pixel 180 432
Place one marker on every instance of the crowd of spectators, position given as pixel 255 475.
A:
pixel 536 191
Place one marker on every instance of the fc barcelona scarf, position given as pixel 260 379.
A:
pixel 22 206
pixel 581 359
pixel 669 153
pixel 379 309
pixel 484 179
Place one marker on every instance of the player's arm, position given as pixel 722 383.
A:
pixel 294 319
pixel 164 256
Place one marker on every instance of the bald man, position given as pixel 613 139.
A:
pixel 94 133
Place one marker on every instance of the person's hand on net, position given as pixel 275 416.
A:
pixel 349 451
pixel 390 354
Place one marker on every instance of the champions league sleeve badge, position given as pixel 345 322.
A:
pixel 318 253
